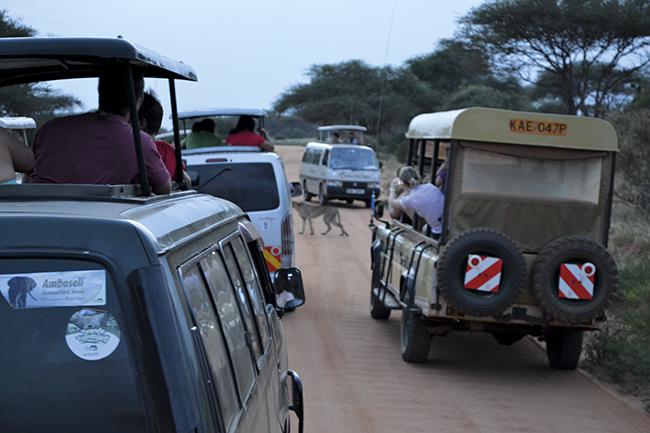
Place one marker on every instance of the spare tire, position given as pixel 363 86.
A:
pixel 574 278
pixel 481 272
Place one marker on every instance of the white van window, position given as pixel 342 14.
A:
pixel 325 157
pixel 244 303
pixel 226 302
pixel 353 159
pixel 251 186
pixel 205 319
pixel 254 288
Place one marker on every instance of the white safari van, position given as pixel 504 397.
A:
pixel 339 166
pixel 256 182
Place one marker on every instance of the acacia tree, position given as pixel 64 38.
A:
pixel 587 50
pixel 39 101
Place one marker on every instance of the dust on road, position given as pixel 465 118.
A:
pixel 355 380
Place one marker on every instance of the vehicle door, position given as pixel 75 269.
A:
pixel 235 343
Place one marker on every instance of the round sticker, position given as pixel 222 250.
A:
pixel 92 334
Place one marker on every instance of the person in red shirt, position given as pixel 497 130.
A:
pixel 150 117
pixel 244 135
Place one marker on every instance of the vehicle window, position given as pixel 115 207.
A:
pixel 251 186
pixel 233 327
pixel 244 302
pixel 325 157
pixel 305 156
pixel 317 155
pixel 65 354
pixel 254 288
pixel 205 319
pixel 353 158
pixel 496 174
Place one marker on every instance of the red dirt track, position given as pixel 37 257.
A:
pixel 355 380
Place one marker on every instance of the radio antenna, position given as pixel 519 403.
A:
pixel 383 73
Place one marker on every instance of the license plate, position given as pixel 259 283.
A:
pixel 354 191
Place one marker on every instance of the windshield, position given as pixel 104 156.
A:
pixel 251 186
pixel 353 158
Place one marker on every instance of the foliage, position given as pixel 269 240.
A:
pixel 39 101
pixel 589 50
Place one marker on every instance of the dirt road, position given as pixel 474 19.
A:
pixel 355 380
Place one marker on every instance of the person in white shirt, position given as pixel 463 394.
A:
pixel 424 199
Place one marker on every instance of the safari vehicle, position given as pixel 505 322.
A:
pixel 252 179
pixel 525 228
pixel 143 313
pixel 339 167
pixel 226 119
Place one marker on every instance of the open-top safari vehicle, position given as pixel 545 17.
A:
pixel 526 218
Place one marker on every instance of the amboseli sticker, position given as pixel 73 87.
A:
pixel 54 289
pixel 92 334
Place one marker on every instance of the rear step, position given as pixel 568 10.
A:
pixel 387 298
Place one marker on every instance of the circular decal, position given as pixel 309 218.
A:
pixel 474 260
pixel 589 269
pixel 275 251
pixel 92 334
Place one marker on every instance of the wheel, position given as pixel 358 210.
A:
pixel 349 200
pixel 322 195
pixel 564 347
pixel 367 203
pixel 574 279
pixel 415 339
pixel 481 272
pixel 507 338
pixel 305 194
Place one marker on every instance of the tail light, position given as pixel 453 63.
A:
pixel 287 241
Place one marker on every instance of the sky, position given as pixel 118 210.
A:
pixel 246 52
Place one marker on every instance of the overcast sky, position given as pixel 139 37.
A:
pixel 247 52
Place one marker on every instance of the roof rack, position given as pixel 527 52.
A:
pixel 216 112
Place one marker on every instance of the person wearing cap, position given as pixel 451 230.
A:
pixel 423 199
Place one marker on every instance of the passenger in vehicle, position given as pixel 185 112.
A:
pixel 244 135
pixel 353 138
pixel 97 147
pixel 14 157
pixel 202 135
pixel 424 199
pixel 336 138
pixel 150 117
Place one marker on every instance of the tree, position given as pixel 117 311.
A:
pixel 39 101
pixel 590 48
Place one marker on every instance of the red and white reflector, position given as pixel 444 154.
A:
pixel 577 281
pixel 483 273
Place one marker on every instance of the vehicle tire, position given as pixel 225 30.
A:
pixel 545 278
pixel 377 309
pixel 452 267
pixel 322 195
pixel 415 338
pixel 367 203
pixel 306 195
pixel 564 347
pixel 507 338
pixel 349 200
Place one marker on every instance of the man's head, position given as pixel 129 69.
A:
pixel 150 114
pixel 113 90
pixel 409 176
pixel 207 125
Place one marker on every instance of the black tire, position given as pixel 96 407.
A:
pixel 452 266
pixel 545 278
pixel 377 309
pixel 367 203
pixel 415 338
pixel 564 347
pixel 349 200
pixel 508 338
pixel 322 196
pixel 306 195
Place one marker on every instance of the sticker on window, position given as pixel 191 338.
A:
pixel 92 334
pixel 54 289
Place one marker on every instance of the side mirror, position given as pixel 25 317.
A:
pixel 194 177
pixel 296 189
pixel 289 291
pixel 381 164
pixel 378 212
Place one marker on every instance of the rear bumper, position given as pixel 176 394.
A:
pixel 343 193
